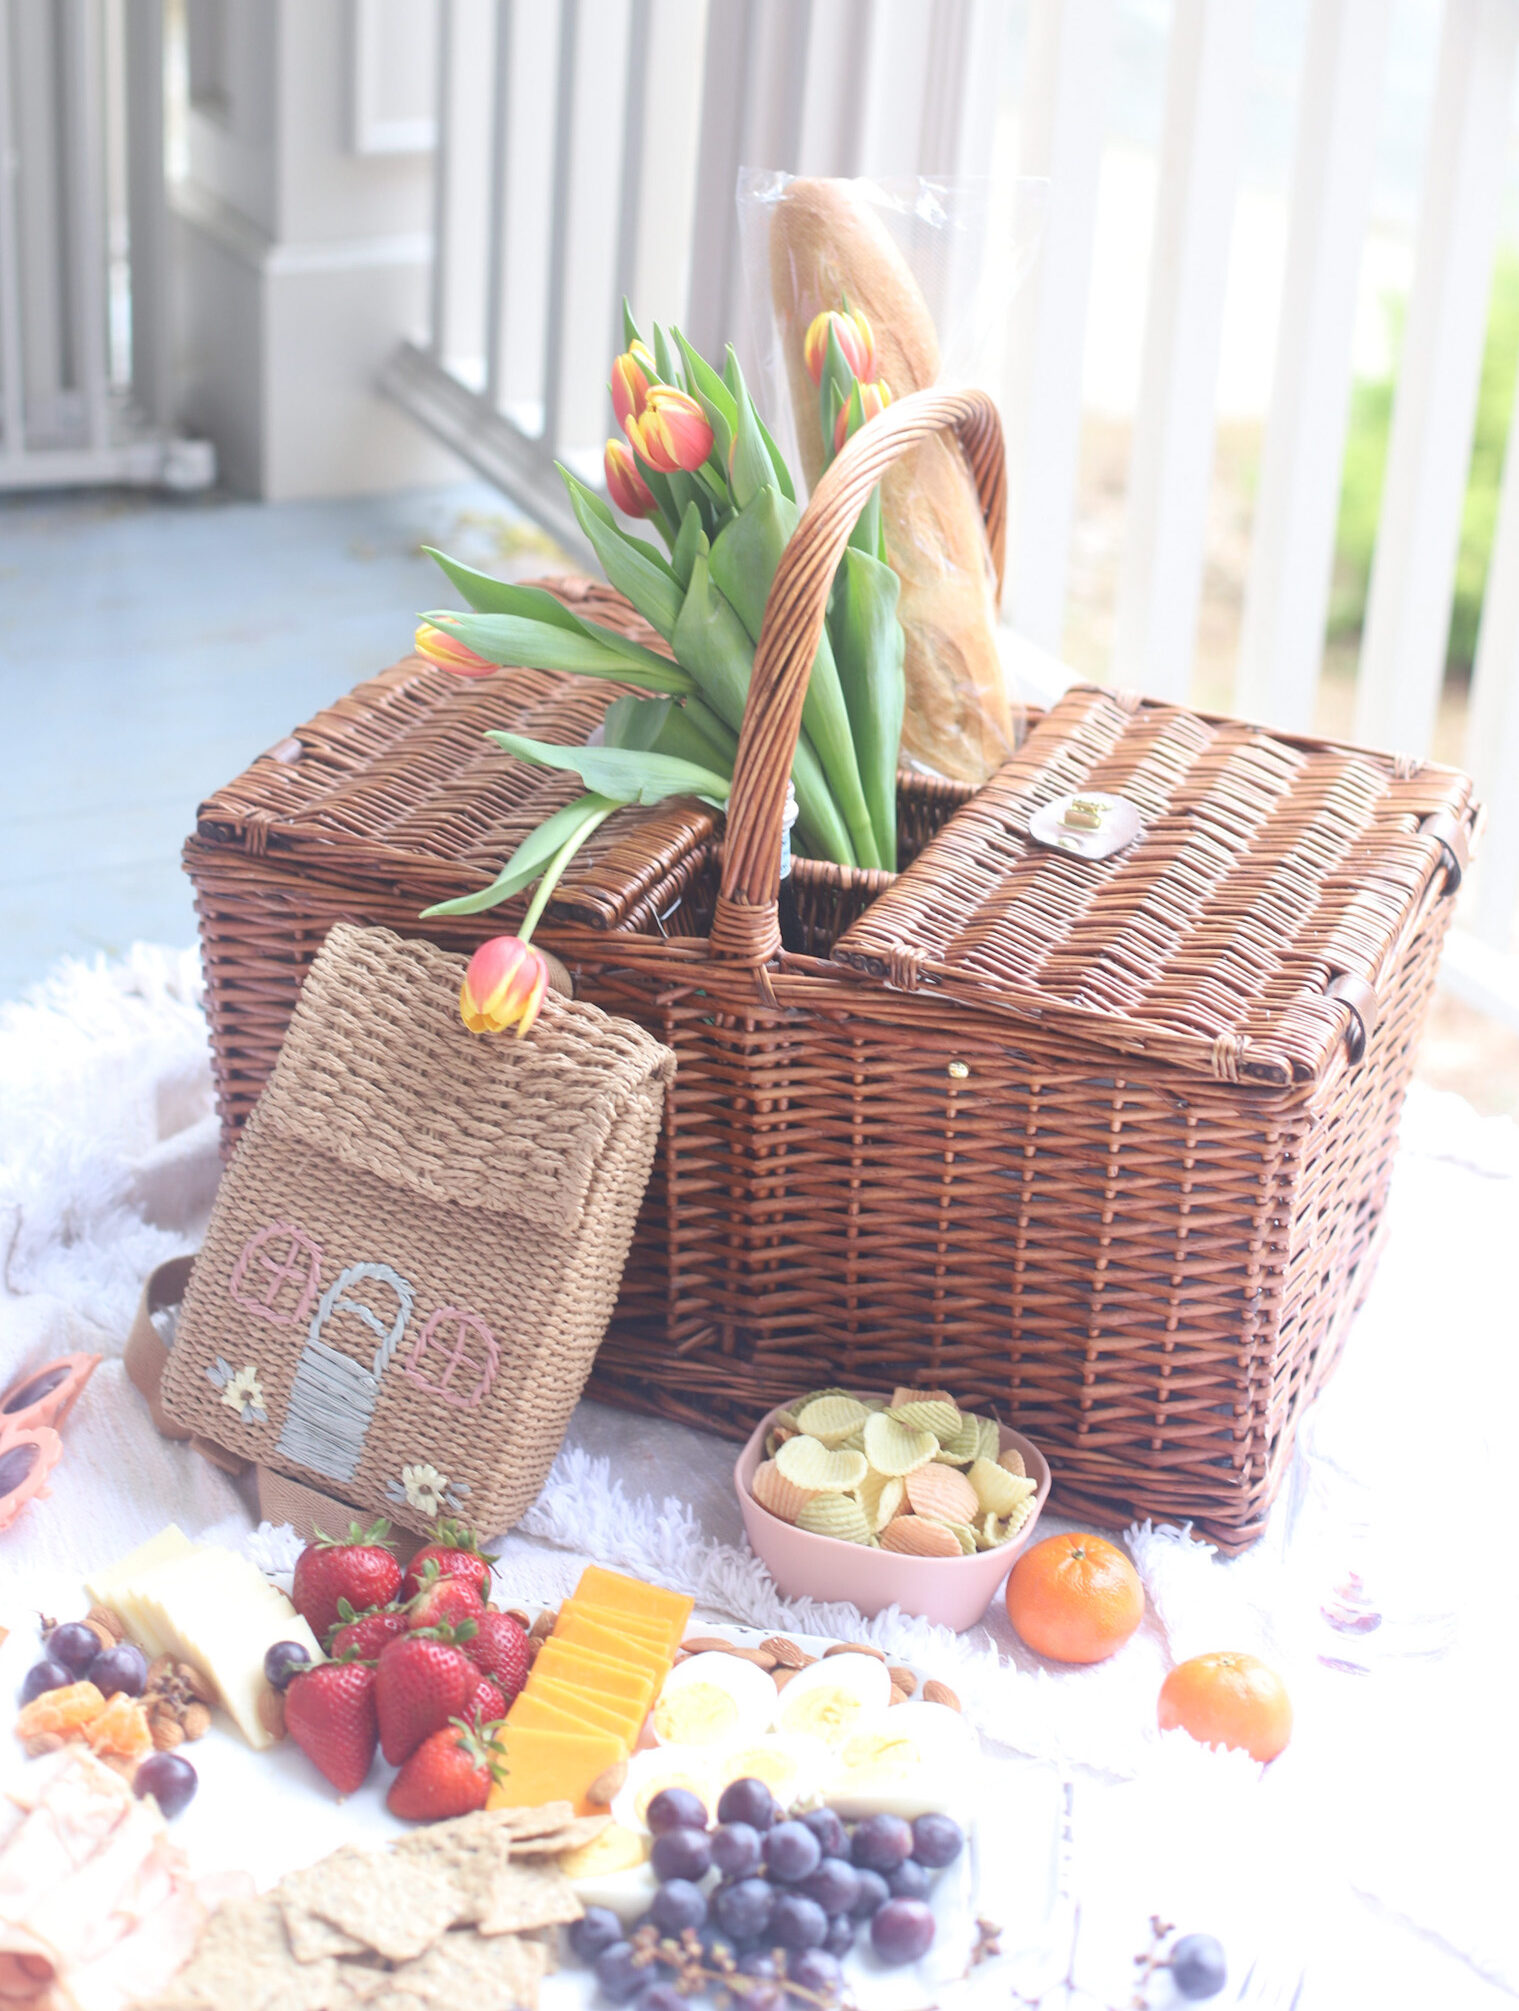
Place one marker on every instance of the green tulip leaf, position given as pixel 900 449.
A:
pixel 629 775
pixel 530 857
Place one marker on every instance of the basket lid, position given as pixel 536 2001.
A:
pixel 1245 934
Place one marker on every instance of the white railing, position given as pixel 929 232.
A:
pixel 85 341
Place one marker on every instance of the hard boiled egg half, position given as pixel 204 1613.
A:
pixel 714 1700
pixel 906 1761
pixel 833 1698
pixel 613 1870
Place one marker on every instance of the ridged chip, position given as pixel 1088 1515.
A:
pixel 963 1447
pixel 1012 1459
pixel 817 1396
pixel 1020 1515
pixel 836 1515
pixel 902 1395
pixel 916 1536
pixel 831 1419
pixel 772 1490
pixel 944 1493
pixel 880 1495
pixel 997 1489
pixel 991 1438
pixel 895 1448
pixel 855 1441
pixel 807 1462
pixel 776 1438
pixel 965 1536
pixel 988 1532
pixel 935 1414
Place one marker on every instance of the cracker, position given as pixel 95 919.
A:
pixel 471 1850
pixel 243 1963
pixel 312 1938
pixel 582 1830
pixel 536 1894
pixel 395 1904
pixel 466 1968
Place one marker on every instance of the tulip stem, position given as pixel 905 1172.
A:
pixel 555 868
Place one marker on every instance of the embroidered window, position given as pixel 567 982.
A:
pixel 454 1358
pixel 278 1275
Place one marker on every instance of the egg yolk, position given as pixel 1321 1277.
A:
pixel 698 1714
pixel 827 1714
pixel 616 1849
pixel 881 1756
pixel 778 1770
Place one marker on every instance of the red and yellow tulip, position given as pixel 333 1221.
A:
pixel 446 650
pixel 632 374
pixel 856 339
pixel 503 986
pixel 671 432
pixel 874 399
pixel 626 487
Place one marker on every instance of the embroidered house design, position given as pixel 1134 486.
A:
pixel 355 1330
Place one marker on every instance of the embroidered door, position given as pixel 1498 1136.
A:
pixel 354 1332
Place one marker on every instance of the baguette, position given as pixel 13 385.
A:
pixel 828 246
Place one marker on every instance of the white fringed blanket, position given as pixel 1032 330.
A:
pixel 1379 1848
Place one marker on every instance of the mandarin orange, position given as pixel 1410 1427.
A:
pixel 64 1712
pixel 1074 1598
pixel 1228 1700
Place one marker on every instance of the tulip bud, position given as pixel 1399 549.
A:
pixel 626 487
pixel 631 373
pixel 855 338
pixel 671 432
pixel 866 402
pixel 446 650
pixel 503 986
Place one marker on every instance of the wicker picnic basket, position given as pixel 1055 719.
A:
pixel 1101 1145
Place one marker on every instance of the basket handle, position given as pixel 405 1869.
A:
pixel 745 924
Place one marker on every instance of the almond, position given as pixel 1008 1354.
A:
pixel 853 1648
pixel 516 1613
pixel 200 1686
pixel 196 1719
pixel 102 1634
pixel 708 1644
pixel 544 1625
pixel 788 1654
pixel 167 1731
pixel 103 1620
pixel 898 1696
pixel 271 1713
pixel 940 1693
pixel 760 1657
pixel 904 1679
pixel 606 1785
pixel 783 1676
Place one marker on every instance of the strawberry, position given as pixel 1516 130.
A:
pixel 357 1567
pixel 449 1774
pixel 499 1647
pixel 456 1553
pixel 485 1701
pixel 442 1601
pixel 421 1681
pixel 330 1713
pixel 361 1636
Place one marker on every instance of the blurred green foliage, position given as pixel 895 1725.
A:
pixel 1366 460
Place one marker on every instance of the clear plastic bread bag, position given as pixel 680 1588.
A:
pixel 929 266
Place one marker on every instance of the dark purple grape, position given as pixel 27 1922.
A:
pixel 835 1885
pixel 123 1668
pixel 618 1974
pixel 798 1922
pixel 675 1808
pixel 902 1930
pixel 792 1853
pixel 681 1853
pixel 841 1933
pixel 677 1905
pixel 170 1780
pixel 758 1962
pixel 874 1892
pixel 743 1910
pixel 736 1849
pixel 45 1675
pixel 881 1842
pixel 937 1840
pixel 74 1645
pixel 284 1660
pixel 829 1831
pixel 908 1881
pixel 1198 1967
pixel 815 1969
pixel 33 1392
pixel 747 1801
pixel 16 1466
pixel 597 1928
pixel 662 1997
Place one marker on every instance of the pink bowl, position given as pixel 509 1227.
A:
pixel 953 1591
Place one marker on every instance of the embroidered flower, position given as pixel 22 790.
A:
pixel 426 1490
pixel 241 1389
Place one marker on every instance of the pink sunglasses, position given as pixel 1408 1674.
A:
pixel 30 1412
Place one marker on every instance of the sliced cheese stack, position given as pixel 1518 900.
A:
pixel 592 1686
pixel 209 1607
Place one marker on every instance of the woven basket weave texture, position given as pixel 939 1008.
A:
pixel 417 1245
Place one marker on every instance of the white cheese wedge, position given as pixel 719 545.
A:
pixel 119 1585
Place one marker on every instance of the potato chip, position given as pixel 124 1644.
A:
pixel 772 1490
pixel 902 1395
pixel 935 1414
pixel 916 1536
pixel 880 1495
pixel 831 1419
pixel 1012 1459
pixel 1020 1515
pixel 996 1489
pixel 817 1396
pixel 964 1535
pixel 963 1447
pixel 836 1515
pixel 896 1448
pixel 855 1441
pixel 806 1462
pixel 991 1438
pixel 944 1493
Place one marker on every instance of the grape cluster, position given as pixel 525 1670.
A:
pixel 791 1896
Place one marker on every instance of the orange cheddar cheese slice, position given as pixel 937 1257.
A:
pixel 630 1595
pixel 575 1627
pixel 541 1764
pixel 610 1714
pixel 546 1714
pixel 652 1633
pixel 570 1662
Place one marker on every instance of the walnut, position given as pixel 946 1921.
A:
pixel 159 1671
pixel 200 1686
pixel 940 1693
